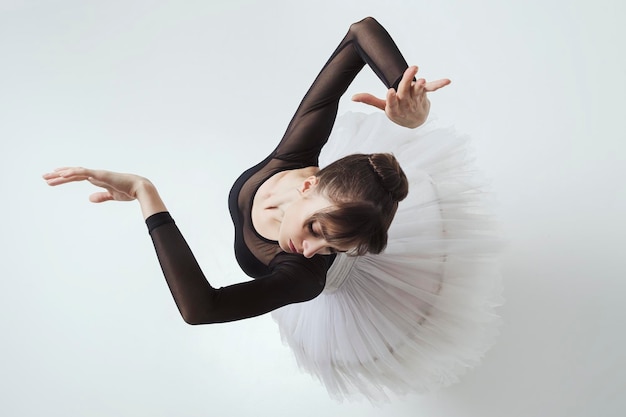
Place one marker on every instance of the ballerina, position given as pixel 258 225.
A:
pixel 295 222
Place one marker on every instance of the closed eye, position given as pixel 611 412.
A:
pixel 318 235
pixel 312 231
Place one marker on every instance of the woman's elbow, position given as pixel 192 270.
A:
pixel 364 24
pixel 193 321
pixel 195 318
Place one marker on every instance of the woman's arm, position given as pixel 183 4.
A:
pixel 366 43
pixel 293 280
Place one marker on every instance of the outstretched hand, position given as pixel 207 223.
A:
pixel 119 187
pixel 409 106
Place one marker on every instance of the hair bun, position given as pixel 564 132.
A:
pixel 391 175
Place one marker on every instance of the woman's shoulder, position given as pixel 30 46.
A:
pixel 307 271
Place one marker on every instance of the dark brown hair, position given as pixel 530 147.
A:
pixel 365 190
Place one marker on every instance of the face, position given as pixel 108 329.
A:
pixel 297 234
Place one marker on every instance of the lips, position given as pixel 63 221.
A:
pixel 292 248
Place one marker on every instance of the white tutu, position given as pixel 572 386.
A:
pixel 417 316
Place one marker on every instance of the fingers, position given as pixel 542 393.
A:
pixel 404 88
pixel 436 85
pixel 66 172
pixel 415 88
pixel 52 175
pixel 418 87
pixel 101 197
pixel 392 100
pixel 64 175
pixel 369 99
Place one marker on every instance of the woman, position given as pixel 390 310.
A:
pixel 292 219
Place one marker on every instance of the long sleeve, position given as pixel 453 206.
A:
pixel 199 303
pixel 366 42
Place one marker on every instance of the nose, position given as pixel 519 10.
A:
pixel 311 246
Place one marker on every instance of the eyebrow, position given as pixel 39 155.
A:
pixel 324 235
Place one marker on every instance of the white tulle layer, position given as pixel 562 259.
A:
pixel 419 315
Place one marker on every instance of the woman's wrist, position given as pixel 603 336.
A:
pixel 149 198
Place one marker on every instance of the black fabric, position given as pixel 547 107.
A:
pixel 280 278
pixel 158 219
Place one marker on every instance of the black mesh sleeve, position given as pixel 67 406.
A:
pixel 366 42
pixel 294 279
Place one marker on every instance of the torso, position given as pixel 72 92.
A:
pixel 255 250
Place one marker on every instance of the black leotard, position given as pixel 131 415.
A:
pixel 280 278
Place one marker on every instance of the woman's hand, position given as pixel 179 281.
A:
pixel 119 187
pixel 409 106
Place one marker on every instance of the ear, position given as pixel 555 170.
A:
pixel 309 184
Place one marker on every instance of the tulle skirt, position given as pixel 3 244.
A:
pixel 417 316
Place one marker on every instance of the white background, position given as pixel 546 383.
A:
pixel 191 93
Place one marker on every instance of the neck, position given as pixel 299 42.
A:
pixel 284 188
pixel 274 196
